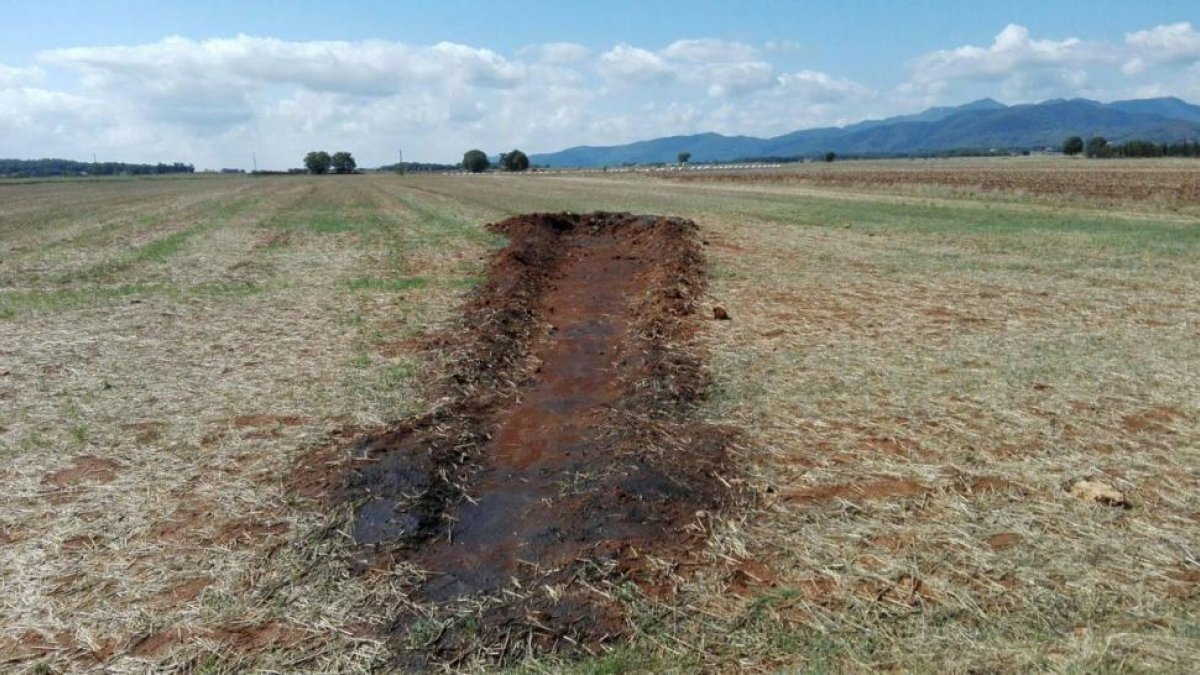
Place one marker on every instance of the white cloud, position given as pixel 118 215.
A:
pixel 732 79
pixel 13 76
pixel 1172 43
pixel 720 67
pixel 815 87
pixel 1012 56
pixel 625 64
pixel 214 101
pixel 371 67
pixel 710 50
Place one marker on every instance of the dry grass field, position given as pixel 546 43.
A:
pixel 924 371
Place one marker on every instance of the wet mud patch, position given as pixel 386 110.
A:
pixel 564 458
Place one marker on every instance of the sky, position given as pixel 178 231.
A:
pixel 220 84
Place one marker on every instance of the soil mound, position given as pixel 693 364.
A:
pixel 564 455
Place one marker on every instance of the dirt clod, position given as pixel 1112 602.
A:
pixel 85 469
pixel 1003 540
pixel 720 313
pixel 1101 493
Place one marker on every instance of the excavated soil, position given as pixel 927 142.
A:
pixel 564 457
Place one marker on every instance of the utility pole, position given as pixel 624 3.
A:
pixel 400 166
pixel 254 159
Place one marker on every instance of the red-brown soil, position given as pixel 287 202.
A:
pixel 1125 183
pixel 564 450
pixel 86 469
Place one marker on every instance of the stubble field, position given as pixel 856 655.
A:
pixel 921 372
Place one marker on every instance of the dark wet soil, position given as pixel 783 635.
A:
pixel 565 450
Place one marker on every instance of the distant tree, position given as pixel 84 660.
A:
pixel 343 162
pixel 514 161
pixel 318 161
pixel 1072 146
pixel 1135 148
pixel 830 156
pixel 67 167
pixel 683 157
pixel 475 161
pixel 1097 146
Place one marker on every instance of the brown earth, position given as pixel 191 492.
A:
pixel 86 469
pixel 1131 182
pixel 563 454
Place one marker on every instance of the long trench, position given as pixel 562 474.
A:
pixel 569 446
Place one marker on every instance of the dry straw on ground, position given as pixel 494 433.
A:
pixel 924 378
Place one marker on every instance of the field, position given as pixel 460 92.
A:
pixel 923 363
pixel 1170 185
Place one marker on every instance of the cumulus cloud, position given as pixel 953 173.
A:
pixel 1012 56
pixel 721 68
pixel 626 63
pixel 1020 67
pixel 1172 43
pixel 710 50
pixel 13 76
pixel 214 101
pixel 816 87
pixel 368 67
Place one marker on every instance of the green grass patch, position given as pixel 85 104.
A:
pixel 386 285
pixel 14 304
pixel 157 251
pixel 628 659
pixel 438 227
pixel 327 219
pixel 161 249
pixel 218 289
pixel 17 303
pixel 464 282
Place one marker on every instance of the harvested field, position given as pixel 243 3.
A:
pixel 966 426
pixel 1166 184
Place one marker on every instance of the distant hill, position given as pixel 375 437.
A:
pixel 931 115
pixel 979 125
pixel 1169 107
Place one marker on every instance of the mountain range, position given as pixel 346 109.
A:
pixel 980 125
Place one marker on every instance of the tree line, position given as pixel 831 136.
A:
pixel 320 162
pixel 1098 146
pixel 39 168
pixel 418 167
pixel 476 161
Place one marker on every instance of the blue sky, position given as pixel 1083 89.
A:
pixel 206 81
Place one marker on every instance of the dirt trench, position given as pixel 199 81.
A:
pixel 565 453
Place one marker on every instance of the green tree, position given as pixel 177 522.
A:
pixel 343 162
pixel 1097 146
pixel 317 161
pixel 514 161
pixel 683 157
pixel 830 156
pixel 1072 146
pixel 475 161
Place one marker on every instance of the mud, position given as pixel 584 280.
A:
pixel 565 450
